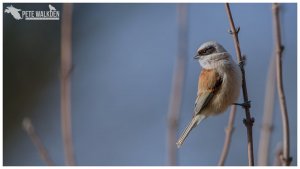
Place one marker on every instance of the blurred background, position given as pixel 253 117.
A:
pixel 123 61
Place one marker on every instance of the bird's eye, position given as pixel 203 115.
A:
pixel 206 51
pixel 209 50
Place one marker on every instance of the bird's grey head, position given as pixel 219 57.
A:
pixel 208 48
pixel 211 54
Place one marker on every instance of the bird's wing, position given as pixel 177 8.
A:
pixel 201 101
pixel 209 83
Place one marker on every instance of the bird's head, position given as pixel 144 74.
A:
pixel 211 55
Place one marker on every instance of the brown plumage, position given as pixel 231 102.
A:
pixel 209 80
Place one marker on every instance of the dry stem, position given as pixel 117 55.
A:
pixel 267 126
pixel 278 155
pixel 284 114
pixel 229 130
pixel 249 120
pixel 28 127
pixel 177 85
pixel 66 65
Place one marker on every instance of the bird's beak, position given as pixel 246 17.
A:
pixel 196 57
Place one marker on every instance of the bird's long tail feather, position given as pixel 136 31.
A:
pixel 195 121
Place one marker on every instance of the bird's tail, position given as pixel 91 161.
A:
pixel 195 121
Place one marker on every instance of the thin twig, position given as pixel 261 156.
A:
pixel 28 127
pixel 284 113
pixel 177 84
pixel 267 124
pixel 228 131
pixel 249 120
pixel 66 65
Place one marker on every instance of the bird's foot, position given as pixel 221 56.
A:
pixel 244 105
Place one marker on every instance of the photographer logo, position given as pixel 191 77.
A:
pixel 19 14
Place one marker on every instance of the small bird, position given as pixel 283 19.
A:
pixel 218 87
pixel 51 8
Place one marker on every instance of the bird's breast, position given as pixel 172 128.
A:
pixel 226 94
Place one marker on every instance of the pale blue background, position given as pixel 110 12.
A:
pixel 123 56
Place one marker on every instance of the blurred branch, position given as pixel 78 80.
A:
pixel 278 155
pixel 246 105
pixel 229 130
pixel 29 129
pixel 177 84
pixel 284 113
pixel 66 65
pixel 267 126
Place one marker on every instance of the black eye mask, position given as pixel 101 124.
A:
pixel 207 51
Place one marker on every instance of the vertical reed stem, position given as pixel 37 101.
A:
pixel 284 113
pixel 249 120
pixel 177 84
pixel 267 124
pixel 228 131
pixel 66 65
